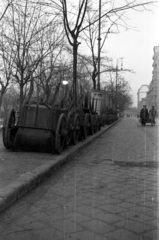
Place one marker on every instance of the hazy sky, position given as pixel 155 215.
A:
pixel 136 48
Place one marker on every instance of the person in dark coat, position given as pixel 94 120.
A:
pixel 144 115
pixel 152 115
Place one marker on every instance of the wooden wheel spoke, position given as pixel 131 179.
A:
pixel 69 127
pixel 76 132
pixel 60 136
pixel 9 128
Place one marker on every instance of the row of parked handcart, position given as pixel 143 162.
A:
pixel 44 128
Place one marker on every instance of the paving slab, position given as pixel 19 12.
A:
pixel 22 171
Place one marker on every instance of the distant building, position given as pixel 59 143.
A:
pixel 142 92
pixel 131 111
pixel 141 96
pixel 153 93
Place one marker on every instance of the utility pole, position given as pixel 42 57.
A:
pixel 99 44
pixel 116 90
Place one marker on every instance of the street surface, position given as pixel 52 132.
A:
pixel 108 192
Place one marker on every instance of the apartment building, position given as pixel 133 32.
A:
pixel 149 94
pixel 142 96
pixel 153 93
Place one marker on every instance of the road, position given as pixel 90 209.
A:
pixel 109 191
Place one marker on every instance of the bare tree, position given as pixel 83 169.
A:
pixel 26 27
pixel 10 99
pixel 74 21
pixel 5 69
pixel 5 76
pixel 6 64
pixel 113 18
pixel 91 38
pixel 48 76
pixel 72 33
pixel 120 90
pixel 7 4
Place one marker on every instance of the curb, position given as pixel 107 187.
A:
pixel 22 185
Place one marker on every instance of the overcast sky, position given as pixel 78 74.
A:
pixel 136 48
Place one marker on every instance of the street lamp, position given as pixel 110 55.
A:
pixel 99 45
pixel 64 82
pixel 117 70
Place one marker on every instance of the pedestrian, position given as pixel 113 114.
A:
pixel 152 115
pixel 144 115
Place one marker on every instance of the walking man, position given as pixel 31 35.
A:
pixel 152 115
pixel 144 115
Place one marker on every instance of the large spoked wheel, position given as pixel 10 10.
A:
pixel 95 127
pixel 84 127
pixel 61 132
pixel 87 123
pixel 77 128
pixel 69 128
pixel 9 128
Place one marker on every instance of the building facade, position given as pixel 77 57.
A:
pixel 153 93
pixel 142 96
pixel 149 94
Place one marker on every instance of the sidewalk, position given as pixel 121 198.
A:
pixel 21 171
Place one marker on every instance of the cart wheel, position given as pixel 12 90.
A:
pixel 102 120
pixel 69 127
pixel 87 123
pixel 76 132
pixel 60 133
pixel 9 128
pixel 84 127
pixel 95 123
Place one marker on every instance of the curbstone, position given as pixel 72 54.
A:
pixel 2 204
pixel 20 187
pixel 29 180
pixel 9 195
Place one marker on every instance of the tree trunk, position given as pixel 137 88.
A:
pixel 21 99
pixel 1 97
pixel 94 79
pixel 75 46
pixel 3 90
